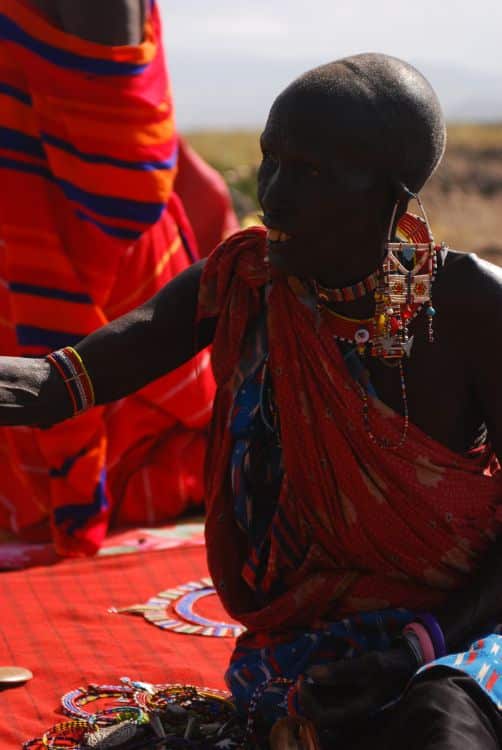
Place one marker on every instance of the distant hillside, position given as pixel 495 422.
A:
pixel 463 199
pixel 238 90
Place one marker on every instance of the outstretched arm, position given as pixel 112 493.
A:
pixel 112 22
pixel 122 357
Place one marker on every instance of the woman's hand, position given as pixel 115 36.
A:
pixel 353 689
pixel 31 393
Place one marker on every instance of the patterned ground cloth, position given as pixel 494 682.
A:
pixel 184 533
pixel 55 622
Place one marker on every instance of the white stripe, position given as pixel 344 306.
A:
pixel 458 660
pixel 482 672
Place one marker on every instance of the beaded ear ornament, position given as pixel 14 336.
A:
pixel 405 285
pixel 402 288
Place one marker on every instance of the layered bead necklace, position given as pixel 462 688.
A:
pixel 402 288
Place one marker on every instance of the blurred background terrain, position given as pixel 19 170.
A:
pixel 463 199
pixel 230 58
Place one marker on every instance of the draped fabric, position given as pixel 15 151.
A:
pixel 90 228
pixel 357 528
pixel 212 219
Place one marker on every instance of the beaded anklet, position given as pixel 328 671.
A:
pixel 70 366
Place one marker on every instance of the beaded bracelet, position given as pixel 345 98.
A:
pixel 67 734
pixel 424 639
pixel 412 643
pixel 74 702
pixel 70 366
pixel 435 632
pixel 253 704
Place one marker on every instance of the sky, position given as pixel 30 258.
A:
pixel 230 58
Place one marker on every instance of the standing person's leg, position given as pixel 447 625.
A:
pixel 445 710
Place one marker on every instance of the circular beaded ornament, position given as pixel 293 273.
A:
pixel 74 701
pixel 173 609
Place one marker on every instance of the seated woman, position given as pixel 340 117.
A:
pixel 352 481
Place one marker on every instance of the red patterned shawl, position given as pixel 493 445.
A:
pixel 372 528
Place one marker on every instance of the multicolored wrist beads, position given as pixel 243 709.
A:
pixel 70 366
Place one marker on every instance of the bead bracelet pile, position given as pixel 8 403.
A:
pixel 142 715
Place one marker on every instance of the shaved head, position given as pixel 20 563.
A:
pixel 342 144
pixel 384 110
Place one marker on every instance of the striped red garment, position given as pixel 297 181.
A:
pixel 90 228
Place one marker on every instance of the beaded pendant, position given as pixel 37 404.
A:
pixel 405 286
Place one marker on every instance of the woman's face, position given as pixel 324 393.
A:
pixel 318 189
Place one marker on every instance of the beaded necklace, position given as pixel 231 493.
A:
pixel 347 293
pixel 402 287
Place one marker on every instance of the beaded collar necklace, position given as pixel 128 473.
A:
pixel 347 293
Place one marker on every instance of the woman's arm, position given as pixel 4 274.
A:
pixel 122 357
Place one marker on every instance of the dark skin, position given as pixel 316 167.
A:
pixel 322 184
pixel 114 22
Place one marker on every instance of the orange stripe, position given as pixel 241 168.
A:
pixel 104 128
pixel 103 179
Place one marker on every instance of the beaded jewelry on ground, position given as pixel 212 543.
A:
pixel 174 610
pixel 141 716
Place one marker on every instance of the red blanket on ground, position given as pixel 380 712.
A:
pixel 55 622
pixel 357 527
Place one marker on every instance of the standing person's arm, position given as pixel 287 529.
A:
pixel 112 22
pixel 120 358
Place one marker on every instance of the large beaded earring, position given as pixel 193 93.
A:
pixel 405 282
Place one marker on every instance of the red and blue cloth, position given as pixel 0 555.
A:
pixel 355 533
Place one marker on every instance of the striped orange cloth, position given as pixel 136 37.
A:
pixel 89 228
